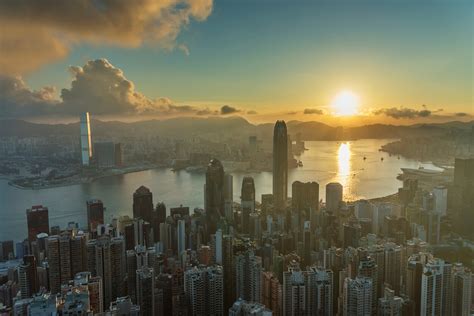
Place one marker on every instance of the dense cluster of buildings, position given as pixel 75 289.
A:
pixel 283 256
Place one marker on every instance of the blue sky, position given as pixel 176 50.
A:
pixel 273 56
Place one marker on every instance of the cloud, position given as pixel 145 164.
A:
pixel 40 32
pixel 17 99
pixel 292 113
pixel 206 111
pixel 252 112
pixel 227 109
pixel 97 87
pixel 461 114
pixel 402 112
pixel 313 111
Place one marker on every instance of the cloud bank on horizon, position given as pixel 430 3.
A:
pixel 97 87
pixel 50 28
pixel 103 89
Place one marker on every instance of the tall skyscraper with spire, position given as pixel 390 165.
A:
pixel 86 141
pixel 280 165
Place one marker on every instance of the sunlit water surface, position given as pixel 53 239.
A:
pixel 324 162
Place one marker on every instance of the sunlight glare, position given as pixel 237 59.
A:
pixel 344 163
pixel 346 103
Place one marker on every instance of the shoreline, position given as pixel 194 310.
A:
pixel 82 180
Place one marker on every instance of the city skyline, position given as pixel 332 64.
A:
pixel 236 157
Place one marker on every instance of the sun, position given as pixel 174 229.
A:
pixel 346 103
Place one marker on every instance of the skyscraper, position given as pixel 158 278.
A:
pixel 228 265
pixel 228 211
pixel 27 276
pixel 54 263
pixel 393 261
pixel 249 270
pixel 280 165
pixel 368 268
pixel 143 204
pixel 333 196
pixel 105 258
pixel 214 194
pixel 37 220
pixel 160 217
pixel 305 198
pixel 146 290
pixel 204 287
pixel 86 141
pixel 271 292
pixel 357 296
pixel 247 196
pixel 322 291
pixel 462 195
pixel 294 291
pixel 181 236
pixel 462 290
pixel 95 214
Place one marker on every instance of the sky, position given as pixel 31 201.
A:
pixel 403 61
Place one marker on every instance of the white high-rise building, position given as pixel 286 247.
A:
pixel 357 296
pixel 321 295
pixel 86 140
pixel 294 291
pixel 436 288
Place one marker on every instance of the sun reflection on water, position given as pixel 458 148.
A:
pixel 344 164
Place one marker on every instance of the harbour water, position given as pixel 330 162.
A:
pixel 323 162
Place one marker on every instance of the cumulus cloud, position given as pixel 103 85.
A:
pixel 17 99
pixel 97 87
pixel 38 32
pixel 404 113
pixel 227 109
pixel 313 111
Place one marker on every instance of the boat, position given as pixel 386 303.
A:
pixel 365 158
pixel 381 159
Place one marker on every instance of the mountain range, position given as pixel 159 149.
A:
pixel 228 127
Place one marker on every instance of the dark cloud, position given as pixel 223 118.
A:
pixel 402 112
pixel 98 87
pixel 461 114
pixel 252 112
pixel 37 32
pixel 227 109
pixel 313 111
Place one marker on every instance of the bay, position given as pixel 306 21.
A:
pixel 323 162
